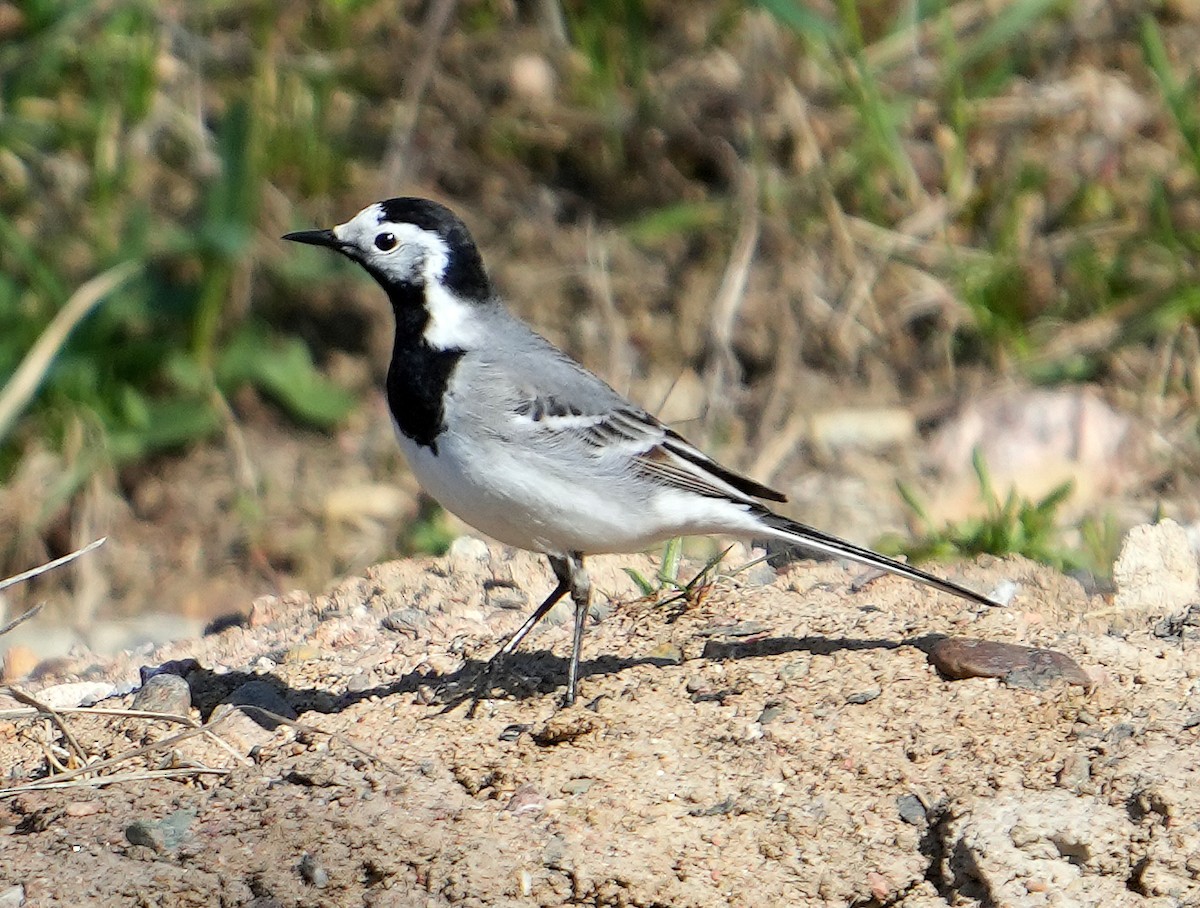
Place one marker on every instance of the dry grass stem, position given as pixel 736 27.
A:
pixel 599 278
pixel 55 716
pixel 813 162
pixel 118 779
pixel 724 371
pixel 21 387
pixel 396 158
pixel 21 619
pixel 904 44
pixel 314 730
pixel 38 571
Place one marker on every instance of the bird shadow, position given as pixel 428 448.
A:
pixel 520 676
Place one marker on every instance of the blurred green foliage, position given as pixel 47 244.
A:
pixel 1012 525
pixel 181 136
pixel 103 164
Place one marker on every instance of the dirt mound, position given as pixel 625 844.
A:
pixel 783 740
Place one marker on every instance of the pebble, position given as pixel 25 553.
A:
pixel 504 594
pixel 512 732
pixel 666 652
pixel 312 872
pixel 302 652
pixel 1020 666
pixel 864 696
pixel 770 713
pixel 563 728
pixel 405 620
pixel 74 693
pixel 466 553
pixel 912 811
pixel 12 897
pixel 741 629
pixel 161 835
pixel 795 671
pixel 1076 771
pixel 360 682
pixel 526 799
pixel 577 786
pixel 83 808
pixel 168 694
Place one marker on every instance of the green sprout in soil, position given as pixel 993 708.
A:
pixel 1013 525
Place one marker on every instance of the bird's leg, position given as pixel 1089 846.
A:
pixel 562 571
pixel 581 594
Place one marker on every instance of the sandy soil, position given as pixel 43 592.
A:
pixel 783 740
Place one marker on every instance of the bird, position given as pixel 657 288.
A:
pixel 512 435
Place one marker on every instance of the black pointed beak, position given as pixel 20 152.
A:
pixel 315 238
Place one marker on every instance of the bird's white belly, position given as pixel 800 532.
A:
pixel 543 510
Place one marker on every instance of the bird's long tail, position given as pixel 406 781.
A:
pixel 808 538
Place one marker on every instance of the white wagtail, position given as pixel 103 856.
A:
pixel 523 443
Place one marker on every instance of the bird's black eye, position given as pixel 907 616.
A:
pixel 385 242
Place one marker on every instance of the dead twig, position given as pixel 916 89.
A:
pixel 103 711
pixel 21 619
pixel 50 784
pixel 414 92
pixel 313 730
pixel 725 370
pixel 21 387
pixel 29 700
pixel 38 571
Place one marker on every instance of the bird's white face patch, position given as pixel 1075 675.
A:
pixel 406 254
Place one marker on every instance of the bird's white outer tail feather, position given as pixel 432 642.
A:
pixel 808 538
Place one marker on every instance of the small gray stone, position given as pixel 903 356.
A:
pixel 168 694
pixel 770 713
pixel 360 682
pixel 161 835
pixel 12 897
pixel 405 620
pixel 912 811
pixel 741 629
pixel 864 696
pixel 504 594
pixel 467 553
pixel 795 671
pixel 1075 772
pixel 312 872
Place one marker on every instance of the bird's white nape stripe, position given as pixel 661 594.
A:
pixel 418 257
pixel 452 323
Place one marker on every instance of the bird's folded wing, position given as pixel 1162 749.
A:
pixel 654 450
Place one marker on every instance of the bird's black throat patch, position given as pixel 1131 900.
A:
pixel 419 374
